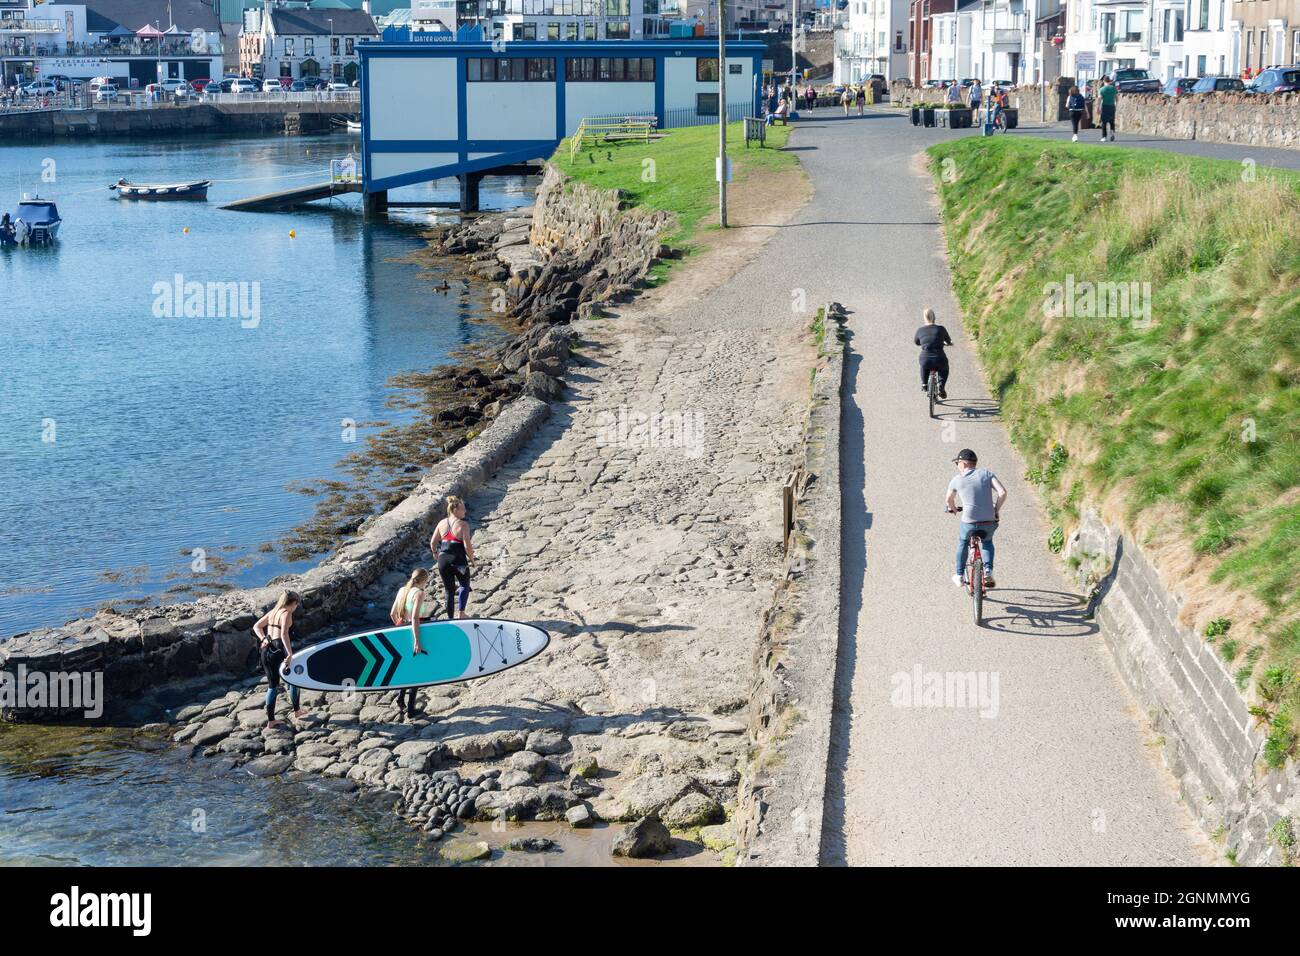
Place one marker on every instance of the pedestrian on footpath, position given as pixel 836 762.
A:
pixel 1074 103
pixel 975 97
pixel 861 98
pixel 409 608
pixel 454 549
pixel 953 94
pixel 846 99
pixel 810 98
pixel 1108 95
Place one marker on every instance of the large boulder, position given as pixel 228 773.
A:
pixel 647 837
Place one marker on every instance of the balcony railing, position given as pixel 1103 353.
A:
pixel 30 26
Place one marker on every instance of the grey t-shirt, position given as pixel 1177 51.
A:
pixel 975 489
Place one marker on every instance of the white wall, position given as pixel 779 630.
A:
pixel 604 99
pixel 392 80
pixel 383 165
pixel 514 110
pixel 681 86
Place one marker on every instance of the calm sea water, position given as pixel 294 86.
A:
pixel 131 436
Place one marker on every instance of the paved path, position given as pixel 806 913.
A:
pixel 1058 767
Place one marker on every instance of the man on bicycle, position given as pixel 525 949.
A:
pixel 932 338
pixel 981 496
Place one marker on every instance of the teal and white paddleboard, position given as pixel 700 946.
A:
pixel 382 659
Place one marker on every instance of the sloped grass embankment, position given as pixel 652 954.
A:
pixel 1138 314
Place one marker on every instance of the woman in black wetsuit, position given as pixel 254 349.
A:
pixel 275 633
pixel 452 546
pixel 932 338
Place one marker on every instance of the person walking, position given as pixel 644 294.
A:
pixel 276 649
pixel 452 546
pixel 861 99
pixel 846 99
pixel 409 608
pixel 810 98
pixel 975 96
pixel 1074 103
pixel 953 95
pixel 1108 96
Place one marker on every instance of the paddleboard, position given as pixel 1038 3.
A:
pixel 382 660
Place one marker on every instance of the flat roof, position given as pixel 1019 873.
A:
pixel 552 47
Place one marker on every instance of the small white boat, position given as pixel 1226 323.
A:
pixel 354 127
pixel 192 190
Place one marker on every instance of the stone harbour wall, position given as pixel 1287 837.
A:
pixel 778 819
pixel 1211 742
pixel 146 648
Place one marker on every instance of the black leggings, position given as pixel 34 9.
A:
pixel 1075 117
pixel 939 365
pixel 453 568
pixel 272 657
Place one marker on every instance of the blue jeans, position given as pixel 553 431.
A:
pixel 963 545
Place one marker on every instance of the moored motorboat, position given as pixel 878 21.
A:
pixel 36 222
pixel 192 190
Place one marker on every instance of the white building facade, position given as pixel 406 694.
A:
pixel 1170 38
pixel 293 42
pixel 873 40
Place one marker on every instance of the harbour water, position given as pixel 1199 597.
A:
pixel 134 435
pixel 147 436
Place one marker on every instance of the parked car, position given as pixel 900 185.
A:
pixel 272 85
pixel 1136 81
pixel 241 85
pixel 185 92
pixel 1180 86
pixel 200 84
pixel 107 93
pixel 314 82
pixel 154 92
pixel 39 88
pixel 172 85
pixel 297 86
pixel 337 85
pixel 1276 80
pixel 1217 84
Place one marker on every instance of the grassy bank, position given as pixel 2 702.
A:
pixel 675 173
pixel 1138 314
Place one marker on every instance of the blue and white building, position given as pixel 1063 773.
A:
pixel 432 110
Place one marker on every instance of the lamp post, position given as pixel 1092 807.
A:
pixel 330 48
pixel 722 113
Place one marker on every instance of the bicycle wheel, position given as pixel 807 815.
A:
pixel 932 387
pixel 977 589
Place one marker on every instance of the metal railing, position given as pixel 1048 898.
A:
pixel 307 96
pixel 688 116
pixel 611 128
pixel 31 26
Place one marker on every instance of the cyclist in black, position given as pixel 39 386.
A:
pixel 932 338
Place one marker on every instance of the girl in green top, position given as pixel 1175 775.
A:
pixel 408 608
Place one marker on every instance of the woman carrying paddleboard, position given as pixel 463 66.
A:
pixel 276 649
pixel 408 608
pixel 452 547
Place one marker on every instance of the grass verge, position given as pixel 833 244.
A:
pixel 1138 314
pixel 675 173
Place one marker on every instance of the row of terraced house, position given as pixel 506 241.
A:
pixel 1031 41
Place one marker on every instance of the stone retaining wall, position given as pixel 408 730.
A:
pixel 1272 121
pixel 778 817
pixel 215 633
pixel 1210 740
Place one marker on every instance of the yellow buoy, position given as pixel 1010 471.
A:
pixel 186 230
pixel 292 234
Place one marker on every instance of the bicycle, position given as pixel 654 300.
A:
pixel 973 578
pixel 932 390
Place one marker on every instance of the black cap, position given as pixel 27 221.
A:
pixel 966 455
